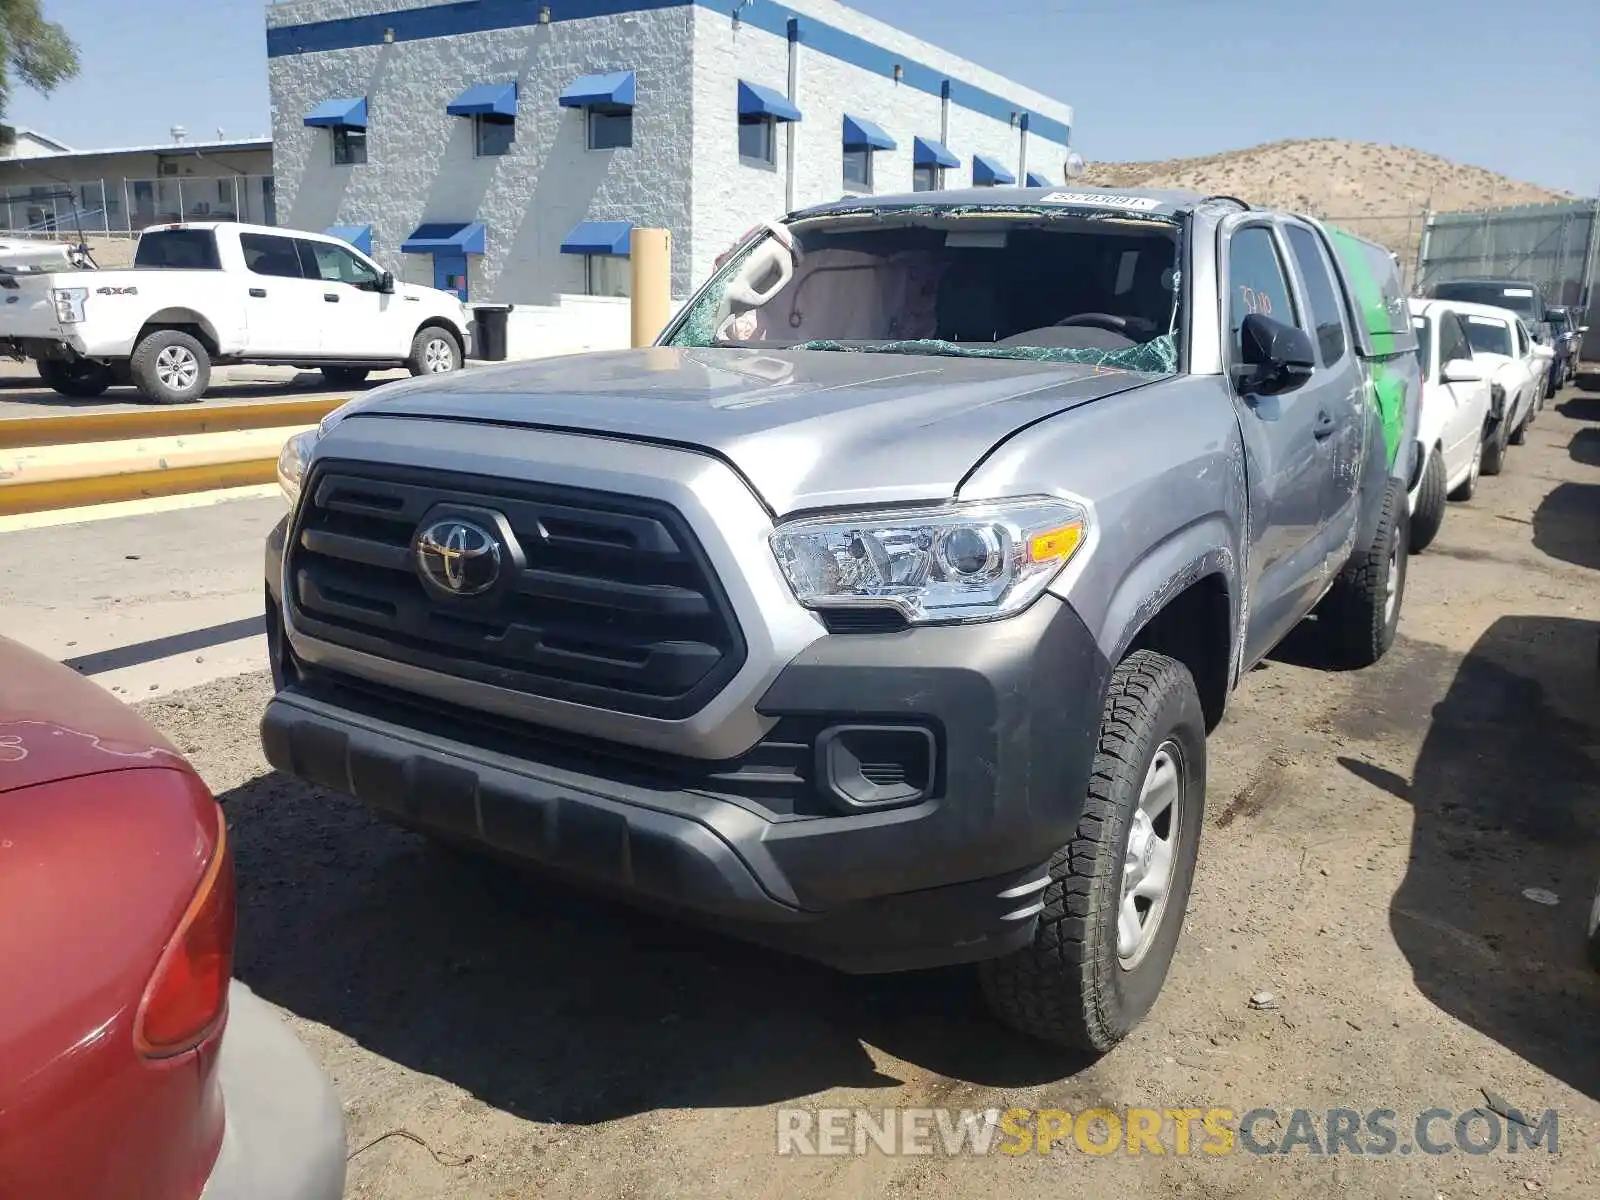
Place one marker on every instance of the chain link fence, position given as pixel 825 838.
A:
pixel 1398 232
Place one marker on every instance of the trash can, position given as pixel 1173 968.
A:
pixel 489 339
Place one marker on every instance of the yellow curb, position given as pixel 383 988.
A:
pixel 75 428
pixel 134 485
pixel 80 460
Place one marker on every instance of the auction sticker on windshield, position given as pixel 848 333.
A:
pixel 1100 200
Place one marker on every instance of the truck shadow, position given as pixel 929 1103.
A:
pixel 1566 525
pixel 557 1006
pixel 1585 447
pixel 1506 797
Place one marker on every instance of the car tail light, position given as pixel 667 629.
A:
pixel 186 995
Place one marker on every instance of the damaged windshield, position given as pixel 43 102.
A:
pixel 1044 286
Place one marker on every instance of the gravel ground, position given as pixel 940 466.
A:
pixel 1368 842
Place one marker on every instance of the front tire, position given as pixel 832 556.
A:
pixel 1519 435
pixel 1468 487
pixel 1494 448
pixel 81 379
pixel 171 367
pixel 1594 933
pixel 1115 902
pixel 434 351
pixel 1429 513
pixel 1362 610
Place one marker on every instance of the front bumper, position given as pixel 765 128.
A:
pixel 1011 710
pixel 284 1135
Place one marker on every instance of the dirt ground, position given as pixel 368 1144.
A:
pixel 1369 838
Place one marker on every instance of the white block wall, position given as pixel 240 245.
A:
pixel 420 164
pixel 683 171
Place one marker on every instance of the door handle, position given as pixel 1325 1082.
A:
pixel 331 297
pixel 1324 426
pixel 259 293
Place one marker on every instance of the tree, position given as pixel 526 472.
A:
pixel 34 49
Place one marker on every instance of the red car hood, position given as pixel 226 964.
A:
pixel 54 725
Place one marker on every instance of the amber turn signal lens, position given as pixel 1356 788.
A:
pixel 1055 545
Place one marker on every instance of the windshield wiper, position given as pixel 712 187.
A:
pixel 933 346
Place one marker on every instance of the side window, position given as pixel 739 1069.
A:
pixel 266 254
pixel 1522 340
pixel 1256 282
pixel 1326 312
pixel 335 264
pixel 1453 342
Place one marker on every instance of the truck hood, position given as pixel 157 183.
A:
pixel 806 428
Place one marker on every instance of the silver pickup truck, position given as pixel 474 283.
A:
pixel 881 610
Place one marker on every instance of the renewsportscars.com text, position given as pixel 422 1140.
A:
pixel 1376 1132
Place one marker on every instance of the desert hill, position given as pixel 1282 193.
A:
pixel 1379 192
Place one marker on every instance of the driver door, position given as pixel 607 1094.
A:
pixel 1285 438
pixel 355 315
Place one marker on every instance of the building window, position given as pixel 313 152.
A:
pixel 349 146
pixel 925 179
pixel 858 170
pixel 757 139
pixel 610 130
pixel 607 275
pixel 493 136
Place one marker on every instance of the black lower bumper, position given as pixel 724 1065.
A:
pixel 1011 710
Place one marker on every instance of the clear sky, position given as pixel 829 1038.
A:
pixel 1509 86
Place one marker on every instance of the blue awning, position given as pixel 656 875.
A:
pixel 1037 180
pixel 925 152
pixel 600 91
pixel 599 237
pixel 755 100
pixel 861 134
pixel 442 238
pixel 986 170
pixel 343 114
pixel 359 236
pixel 486 100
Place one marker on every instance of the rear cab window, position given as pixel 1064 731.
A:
pixel 1327 313
pixel 177 250
pixel 268 254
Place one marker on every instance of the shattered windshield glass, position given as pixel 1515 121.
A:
pixel 1006 283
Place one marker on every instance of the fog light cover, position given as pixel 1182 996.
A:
pixel 877 766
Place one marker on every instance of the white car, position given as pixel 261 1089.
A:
pixel 204 293
pixel 1500 340
pixel 1454 420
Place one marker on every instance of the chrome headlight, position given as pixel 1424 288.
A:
pixel 954 563
pixel 292 461
pixel 69 304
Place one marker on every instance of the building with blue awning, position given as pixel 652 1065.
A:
pixel 507 149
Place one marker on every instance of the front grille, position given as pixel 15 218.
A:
pixel 614 606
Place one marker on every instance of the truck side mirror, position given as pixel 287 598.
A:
pixel 1275 357
pixel 386 283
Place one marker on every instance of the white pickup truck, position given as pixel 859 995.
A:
pixel 200 294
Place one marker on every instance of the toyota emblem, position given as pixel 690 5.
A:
pixel 458 557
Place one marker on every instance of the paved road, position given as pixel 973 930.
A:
pixel 21 395
pixel 143 604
